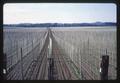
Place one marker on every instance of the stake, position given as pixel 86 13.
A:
pixel 4 66
pixel 104 67
pixel 22 65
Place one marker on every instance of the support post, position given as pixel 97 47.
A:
pixel 4 66
pixel 22 65
pixel 104 67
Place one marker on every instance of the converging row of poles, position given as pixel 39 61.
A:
pixel 49 54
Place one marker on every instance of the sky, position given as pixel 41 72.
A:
pixel 15 13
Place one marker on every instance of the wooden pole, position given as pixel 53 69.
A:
pixel 4 66
pixel 22 64
pixel 104 67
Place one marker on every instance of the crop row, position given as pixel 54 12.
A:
pixel 22 49
pixel 85 48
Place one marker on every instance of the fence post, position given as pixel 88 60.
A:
pixel 22 64
pixel 4 66
pixel 104 67
pixel 32 51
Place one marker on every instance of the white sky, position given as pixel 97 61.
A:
pixel 15 13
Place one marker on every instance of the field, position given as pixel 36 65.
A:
pixel 82 46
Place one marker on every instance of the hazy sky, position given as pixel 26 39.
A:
pixel 58 12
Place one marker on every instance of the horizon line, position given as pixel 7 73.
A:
pixel 62 23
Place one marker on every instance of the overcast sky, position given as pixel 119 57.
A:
pixel 58 13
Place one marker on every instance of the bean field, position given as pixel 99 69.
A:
pixel 80 50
